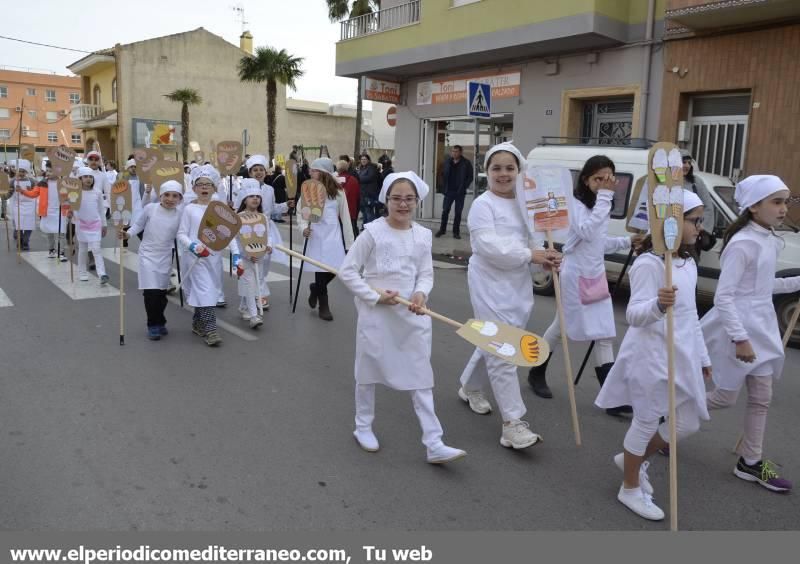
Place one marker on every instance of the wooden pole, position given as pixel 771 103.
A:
pixel 258 289
pixel 300 274
pixel 673 433
pixel 71 250
pixel 291 245
pixel 121 289
pixel 565 347
pixel 178 265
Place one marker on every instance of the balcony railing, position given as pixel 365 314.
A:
pixel 383 20
pixel 83 113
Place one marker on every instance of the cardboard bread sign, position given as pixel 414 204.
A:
pixel 146 159
pixel 510 343
pixel 312 194
pixel 121 203
pixel 5 185
pixel 166 170
pixel 27 151
pixel 665 197
pixel 547 194
pixel 290 173
pixel 62 159
pixel 219 225
pixel 229 157
pixel 254 234
pixel 70 192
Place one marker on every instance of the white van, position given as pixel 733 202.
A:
pixel 631 165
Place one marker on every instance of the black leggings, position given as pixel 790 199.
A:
pixel 155 302
pixel 321 281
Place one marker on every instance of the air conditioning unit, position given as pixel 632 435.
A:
pixel 62 112
pixel 18 109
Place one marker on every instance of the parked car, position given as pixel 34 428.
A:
pixel 631 165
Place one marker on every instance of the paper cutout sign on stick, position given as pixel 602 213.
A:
pixel 229 157
pixel 166 170
pixel 547 196
pixel 218 226
pixel 121 203
pixel 638 218
pixel 5 185
pixel 146 159
pixel 665 197
pixel 291 178
pixel 62 159
pixel 254 233
pixel 70 192
pixel 199 157
pixel 313 194
pixel 514 345
pixel 27 151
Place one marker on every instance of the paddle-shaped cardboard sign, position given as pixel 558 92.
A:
pixel 291 178
pixel 121 203
pixel 5 185
pixel 62 159
pixel 229 157
pixel 199 157
pixel 254 233
pixel 509 343
pixel 665 197
pixel 163 171
pixel 27 151
pixel 219 226
pixel 312 194
pixel 70 192
pixel 146 159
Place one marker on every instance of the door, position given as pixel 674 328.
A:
pixel 719 132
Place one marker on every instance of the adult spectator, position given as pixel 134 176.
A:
pixel 457 179
pixel 352 191
pixel 370 182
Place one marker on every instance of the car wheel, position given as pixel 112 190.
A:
pixel 543 284
pixel 784 308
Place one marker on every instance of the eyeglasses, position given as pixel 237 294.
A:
pixel 93 159
pixel 409 200
pixel 203 185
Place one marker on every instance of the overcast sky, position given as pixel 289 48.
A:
pixel 299 26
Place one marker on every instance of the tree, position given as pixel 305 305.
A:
pixel 271 66
pixel 339 10
pixel 187 97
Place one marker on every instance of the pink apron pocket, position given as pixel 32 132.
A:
pixel 592 290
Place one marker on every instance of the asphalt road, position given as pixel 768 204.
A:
pixel 257 434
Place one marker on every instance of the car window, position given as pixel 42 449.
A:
pixel 622 193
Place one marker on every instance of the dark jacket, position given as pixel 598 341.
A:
pixel 387 170
pixel 457 176
pixel 279 185
pixel 369 179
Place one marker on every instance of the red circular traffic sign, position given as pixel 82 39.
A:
pixel 391 116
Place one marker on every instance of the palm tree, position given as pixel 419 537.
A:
pixel 337 11
pixel 271 66
pixel 187 97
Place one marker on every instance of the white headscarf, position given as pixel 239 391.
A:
pixel 256 160
pixel 85 171
pixel 323 164
pixel 205 171
pixel 508 147
pixel 130 162
pixel 23 164
pixel 755 188
pixel 249 187
pixel 691 201
pixel 170 186
pixel 422 188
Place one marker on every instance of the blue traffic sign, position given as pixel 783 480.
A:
pixel 479 99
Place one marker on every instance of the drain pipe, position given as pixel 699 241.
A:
pixel 648 52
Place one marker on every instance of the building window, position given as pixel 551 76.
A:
pixel 52 137
pixel 114 90
pixel 3 91
pixel 52 117
pixel 32 114
pixel 74 98
pixel 76 138
pixel 50 95
pixel 608 122
pixel 4 113
pixel 457 3
pixel 5 134
pixel 31 92
pixel 96 95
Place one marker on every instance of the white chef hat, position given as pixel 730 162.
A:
pixel 419 184
pixel 690 201
pixel 323 164
pixel 755 188
pixel 170 186
pixel 12 163
pixel 249 187
pixel 256 160
pixel 509 148
pixel 23 164
pixel 85 171
pixel 130 162
pixel 193 166
pixel 205 171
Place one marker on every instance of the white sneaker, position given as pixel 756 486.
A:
pixel 366 439
pixel 443 453
pixel 51 253
pixel 62 257
pixel 83 277
pixel 517 435
pixel 245 315
pixel 476 400
pixel 640 503
pixel 644 479
pixel 256 321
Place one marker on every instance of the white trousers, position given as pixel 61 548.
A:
pixel 83 256
pixel 687 422
pixel 603 348
pixel 423 407
pixel 484 368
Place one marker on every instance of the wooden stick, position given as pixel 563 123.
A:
pixel 291 282
pixel 673 432
pixel 178 264
pixel 121 290
pixel 426 311
pixel 300 274
pixel 71 250
pixel 258 290
pixel 189 271
pixel 565 346
pixel 8 235
pixel 18 226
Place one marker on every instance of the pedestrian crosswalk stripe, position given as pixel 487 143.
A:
pixel 5 301
pixel 58 273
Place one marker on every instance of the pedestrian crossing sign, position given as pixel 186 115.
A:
pixel 479 99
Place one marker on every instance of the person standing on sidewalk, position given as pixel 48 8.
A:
pixel 369 179
pixel 457 178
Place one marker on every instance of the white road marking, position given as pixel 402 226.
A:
pixel 58 273
pixel 5 301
